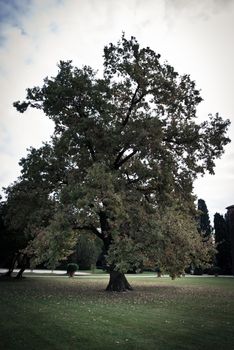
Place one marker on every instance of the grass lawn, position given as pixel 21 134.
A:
pixel 76 313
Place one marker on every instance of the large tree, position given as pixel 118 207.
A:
pixel 122 160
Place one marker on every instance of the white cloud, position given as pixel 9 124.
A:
pixel 198 9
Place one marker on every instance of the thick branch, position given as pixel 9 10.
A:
pixel 91 150
pixel 133 102
pixel 146 190
pixel 132 181
pixel 115 166
pixel 103 222
pixel 180 141
pixel 105 229
pixel 124 160
pixel 89 228
pixel 88 142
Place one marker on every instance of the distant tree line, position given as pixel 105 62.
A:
pixel 222 234
pixel 223 242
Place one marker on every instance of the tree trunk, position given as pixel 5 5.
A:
pixel 20 273
pixel 12 265
pixel 24 263
pixel 118 282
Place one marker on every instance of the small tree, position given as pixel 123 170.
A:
pixel 71 269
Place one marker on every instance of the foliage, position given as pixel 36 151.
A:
pixel 25 208
pixel 53 243
pixel 179 244
pixel 122 160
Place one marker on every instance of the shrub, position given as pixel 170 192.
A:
pixel 71 269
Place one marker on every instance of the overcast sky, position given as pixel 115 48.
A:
pixel 195 36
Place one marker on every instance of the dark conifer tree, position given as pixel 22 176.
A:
pixel 204 226
pixel 222 239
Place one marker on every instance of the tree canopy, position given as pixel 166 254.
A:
pixel 121 163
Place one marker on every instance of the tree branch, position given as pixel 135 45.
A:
pixel 132 181
pixel 91 149
pixel 119 157
pixel 146 190
pixel 180 141
pixel 133 102
pixel 105 229
pixel 89 228
pixel 124 160
pixel 88 142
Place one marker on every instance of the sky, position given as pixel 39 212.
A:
pixel 194 36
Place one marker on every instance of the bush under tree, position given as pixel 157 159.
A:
pixel 71 269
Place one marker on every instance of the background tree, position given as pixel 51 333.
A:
pixel 204 226
pixel 229 217
pixel 222 239
pixel 12 241
pixel 86 252
pixel 26 208
pixel 125 152
pixel 204 229
pixel 7 243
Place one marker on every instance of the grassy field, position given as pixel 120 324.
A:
pixel 76 313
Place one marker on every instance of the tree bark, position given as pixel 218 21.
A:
pixel 20 273
pixel 12 265
pixel 24 263
pixel 118 282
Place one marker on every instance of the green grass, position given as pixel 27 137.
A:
pixel 76 313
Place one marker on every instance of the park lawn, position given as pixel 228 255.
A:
pixel 76 313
